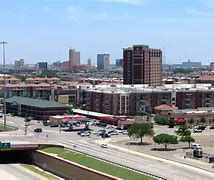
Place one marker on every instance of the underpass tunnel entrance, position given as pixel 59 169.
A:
pixel 16 156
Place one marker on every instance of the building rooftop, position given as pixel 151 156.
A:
pixel 42 79
pixel 90 113
pixel 148 89
pixel 165 107
pixel 8 78
pixel 34 102
pixel 26 85
pixel 206 78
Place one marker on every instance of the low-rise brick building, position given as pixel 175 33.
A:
pixel 135 99
pixel 36 108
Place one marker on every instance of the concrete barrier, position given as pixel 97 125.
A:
pixel 67 169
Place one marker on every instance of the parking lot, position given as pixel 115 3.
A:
pixel 77 133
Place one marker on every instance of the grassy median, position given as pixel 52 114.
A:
pixel 2 127
pixel 98 165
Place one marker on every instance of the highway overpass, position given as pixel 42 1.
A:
pixel 21 152
pixel 27 154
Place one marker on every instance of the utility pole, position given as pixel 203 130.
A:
pixel 3 53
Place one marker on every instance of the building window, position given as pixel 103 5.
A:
pixel 163 100
pixel 207 96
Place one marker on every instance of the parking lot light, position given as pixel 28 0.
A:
pixel 3 54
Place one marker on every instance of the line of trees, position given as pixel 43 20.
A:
pixel 143 130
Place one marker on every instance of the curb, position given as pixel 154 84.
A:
pixel 155 156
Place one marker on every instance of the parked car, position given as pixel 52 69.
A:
pixel 176 131
pixel 108 126
pixel 196 146
pixel 95 132
pixel 113 132
pixel 106 135
pixel 125 132
pixel 80 132
pixel 45 123
pixel 100 132
pixel 196 130
pixel 100 124
pixel 54 125
pixel 211 127
pixel 83 131
pixel 38 130
pixel 84 134
pixel 77 124
pixel 103 145
pixel 200 126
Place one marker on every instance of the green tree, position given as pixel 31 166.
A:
pixel 213 120
pixel 171 123
pixel 185 134
pixel 203 119
pixel 140 130
pixel 48 73
pixel 191 121
pixel 165 139
pixel 188 139
pixel 183 131
pixel 22 78
pixel 159 119
pixel 182 70
pixel 70 109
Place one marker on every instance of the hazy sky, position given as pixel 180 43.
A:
pixel 44 30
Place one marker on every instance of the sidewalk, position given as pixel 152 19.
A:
pixel 175 160
pixel 18 132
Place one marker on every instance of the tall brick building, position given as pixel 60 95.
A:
pixel 74 58
pixel 142 65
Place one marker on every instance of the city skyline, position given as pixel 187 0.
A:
pixel 45 30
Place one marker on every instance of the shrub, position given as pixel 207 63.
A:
pixel 159 119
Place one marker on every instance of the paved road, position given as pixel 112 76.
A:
pixel 156 167
pixel 165 169
pixel 17 172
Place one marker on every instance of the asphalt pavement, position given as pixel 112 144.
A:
pixel 17 172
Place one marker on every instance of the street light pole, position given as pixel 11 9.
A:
pixel 3 53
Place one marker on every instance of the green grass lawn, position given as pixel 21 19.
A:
pixel 2 127
pixel 97 164
pixel 8 128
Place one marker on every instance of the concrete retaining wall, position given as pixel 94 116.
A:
pixel 67 169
